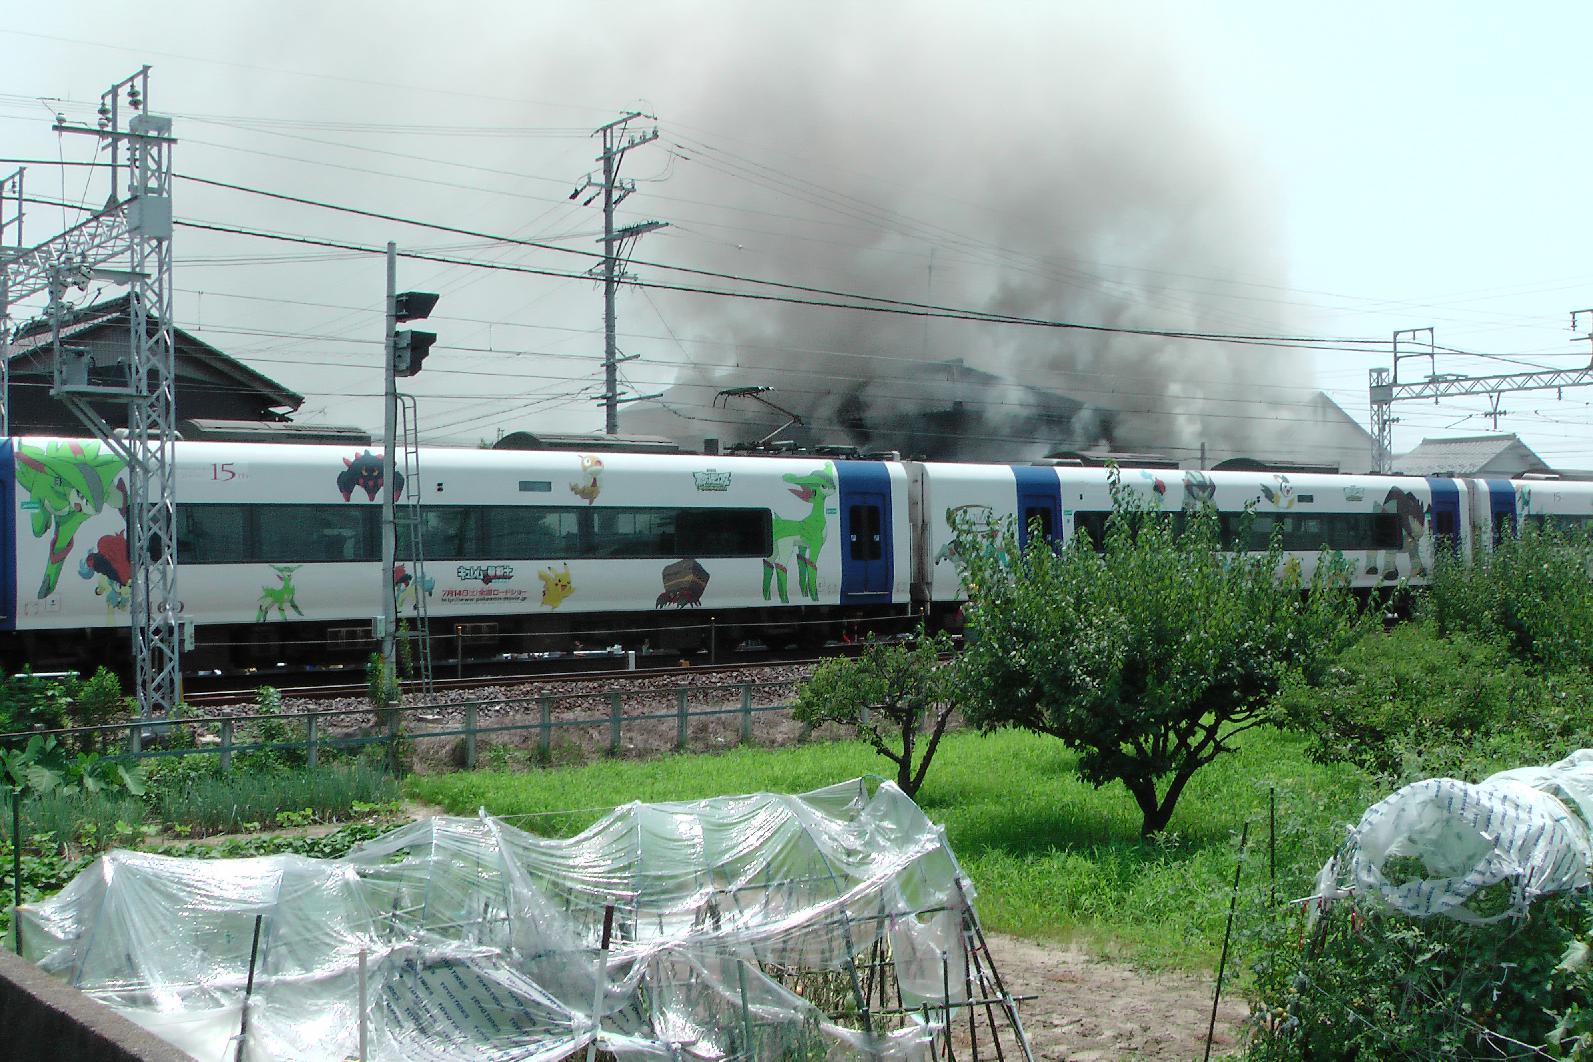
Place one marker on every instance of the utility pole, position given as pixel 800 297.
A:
pixel 402 355
pixel 389 433
pixel 615 241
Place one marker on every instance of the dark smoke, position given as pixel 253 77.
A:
pixel 1055 174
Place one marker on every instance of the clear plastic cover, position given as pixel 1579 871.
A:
pixel 729 920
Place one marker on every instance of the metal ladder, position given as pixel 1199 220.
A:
pixel 407 515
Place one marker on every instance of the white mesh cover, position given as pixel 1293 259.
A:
pixel 1523 830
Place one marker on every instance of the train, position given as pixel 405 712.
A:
pixel 279 545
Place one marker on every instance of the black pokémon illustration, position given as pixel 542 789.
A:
pixel 364 472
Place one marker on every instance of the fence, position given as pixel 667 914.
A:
pixel 221 736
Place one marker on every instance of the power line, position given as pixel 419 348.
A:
pixel 871 303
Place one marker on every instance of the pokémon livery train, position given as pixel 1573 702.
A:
pixel 279 546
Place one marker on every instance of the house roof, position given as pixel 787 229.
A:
pixel 32 344
pixel 1465 454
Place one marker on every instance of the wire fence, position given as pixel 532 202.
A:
pixel 315 731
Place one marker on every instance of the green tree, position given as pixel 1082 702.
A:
pixel 898 697
pixel 1149 657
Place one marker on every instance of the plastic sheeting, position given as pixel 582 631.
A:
pixel 1522 832
pixel 483 942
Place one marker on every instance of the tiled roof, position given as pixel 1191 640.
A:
pixel 1463 455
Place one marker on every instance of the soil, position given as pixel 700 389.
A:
pixel 1093 1010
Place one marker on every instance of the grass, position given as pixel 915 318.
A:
pixel 1051 857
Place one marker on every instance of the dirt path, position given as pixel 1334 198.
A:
pixel 1092 1011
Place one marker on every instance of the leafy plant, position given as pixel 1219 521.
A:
pixel 1150 657
pixel 898 697
pixel 1534 592
pixel 1370 984
pixel 1414 703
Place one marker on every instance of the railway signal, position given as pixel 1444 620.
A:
pixel 410 347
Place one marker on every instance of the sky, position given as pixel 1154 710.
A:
pixel 1231 168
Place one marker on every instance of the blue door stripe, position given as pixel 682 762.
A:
pixel 1038 487
pixel 865 582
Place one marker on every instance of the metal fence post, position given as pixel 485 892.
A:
pixel 470 736
pixel 545 734
pixel 682 721
pixel 312 740
pixel 713 639
pixel 746 713
pixel 135 740
pixel 613 724
pixel 226 745
pixel 393 755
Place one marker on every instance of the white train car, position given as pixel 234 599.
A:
pixel 1387 526
pixel 279 545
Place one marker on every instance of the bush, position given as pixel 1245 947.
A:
pixel 1371 984
pixel 899 698
pixel 1413 703
pixel 29 703
pixel 1534 593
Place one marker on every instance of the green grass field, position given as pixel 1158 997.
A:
pixel 1051 857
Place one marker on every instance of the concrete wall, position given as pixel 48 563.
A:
pixel 42 1018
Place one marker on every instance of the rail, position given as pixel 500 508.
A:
pixel 219 735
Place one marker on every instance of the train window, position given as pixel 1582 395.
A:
pixel 1445 524
pixel 524 532
pixel 724 533
pixel 312 534
pixel 1564 523
pixel 865 530
pixel 213 534
pixel 573 532
pixel 1092 524
pixel 448 532
pixel 1041 513
pixel 276 534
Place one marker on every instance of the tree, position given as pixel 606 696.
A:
pixel 898 697
pixel 1149 657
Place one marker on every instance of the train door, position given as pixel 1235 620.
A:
pixel 1501 509
pixel 1446 513
pixel 1039 502
pixel 868 563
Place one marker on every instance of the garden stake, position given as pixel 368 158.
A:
pixel 602 979
pixel 364 1005
pixel 16 866
pixel 248 989
pixel 1222 963
pixel 1272 843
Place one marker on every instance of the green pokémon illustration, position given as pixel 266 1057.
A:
pixel 281 597
pixel 801 540
pixel 68 484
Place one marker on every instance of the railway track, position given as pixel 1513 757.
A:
pixel 214 692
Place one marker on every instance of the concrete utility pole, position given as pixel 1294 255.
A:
pixel 389 438
pixel 614 191
pixel 1385 388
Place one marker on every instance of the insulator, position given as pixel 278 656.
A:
pixel 105 109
